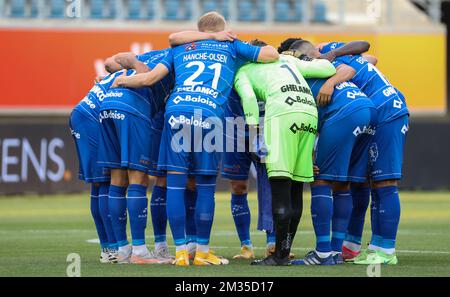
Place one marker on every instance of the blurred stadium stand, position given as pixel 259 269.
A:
pixel 343 12
pixel 172 10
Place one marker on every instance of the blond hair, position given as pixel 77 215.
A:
pixel 211 22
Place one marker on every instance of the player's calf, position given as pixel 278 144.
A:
pixel 342 210
pixel 241 216
pixel 388 215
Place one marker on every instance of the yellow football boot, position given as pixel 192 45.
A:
pixel 181 258
pixel 246 253
pixel 204 259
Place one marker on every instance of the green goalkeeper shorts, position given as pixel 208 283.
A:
pixel 290 141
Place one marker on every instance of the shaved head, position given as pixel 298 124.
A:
pixel 305 48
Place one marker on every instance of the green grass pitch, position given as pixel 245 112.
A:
pixel 37 234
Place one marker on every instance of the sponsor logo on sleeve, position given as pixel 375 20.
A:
pixel 89 102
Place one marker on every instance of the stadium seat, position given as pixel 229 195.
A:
pixel 225 10
pixel 220 6
pixel 282 11
pixel 97 9
pixel 260 11
pixel 134 9
pixel 150 9
pixel 245 9
pixel 319 12
pixel 17 8
pixel 57 8
pixel 298 10
pixel 210 5
pixel 187 9
pixel 171 7
pixel 34 8
pixel 112 9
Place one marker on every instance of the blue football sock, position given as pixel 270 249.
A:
pixel 242 217
pixel 176 209
pixel 361 200
pixel 137 204
pixel 389 216
pixel 117 204
pixel 204 209
pixel 270 238
pixel 342 210
pixel 190 199
pixel 321 213
pixel 104 212
pixel 96 215
pixel 159 213
pixel 375 240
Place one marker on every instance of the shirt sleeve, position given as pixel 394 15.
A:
pixel 249 101
pixel 316 68
pixel 168 60
pixel 331 46
pixel 144 57
pixel 247 52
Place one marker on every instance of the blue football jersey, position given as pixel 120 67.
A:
pixel 347 98
pixel 134 101
pixel 163 88
pixel 91 104
pixel 204 73
pixel 143 102
pixel 374 84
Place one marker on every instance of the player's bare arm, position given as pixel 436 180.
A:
pixel 142 79
pixel 371 59
pixel 343 73
pixel 351 48
pixel 268 54
pixel 126 60
pixel 192 36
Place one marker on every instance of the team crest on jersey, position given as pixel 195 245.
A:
pixel 190 47
pixel 373 152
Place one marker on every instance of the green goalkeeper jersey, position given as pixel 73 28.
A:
pixel 281 85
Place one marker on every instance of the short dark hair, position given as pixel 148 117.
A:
pixel 285 45
pixel 302 46
pixel 257 42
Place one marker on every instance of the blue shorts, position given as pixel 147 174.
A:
pixel 342 150
pixel 182 145
pixel 125 141
pixel 236 166
pixel 157 127
pixel 386 149
pixel 236 163
pixel 154 154
pixel 86 131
